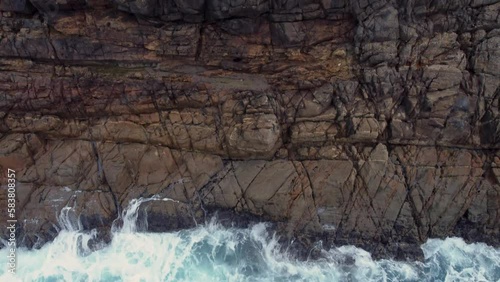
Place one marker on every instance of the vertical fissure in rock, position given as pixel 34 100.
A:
pixel 103 180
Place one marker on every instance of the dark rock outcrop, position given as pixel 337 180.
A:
pixel 367 122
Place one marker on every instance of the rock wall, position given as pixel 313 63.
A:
pixel 366 122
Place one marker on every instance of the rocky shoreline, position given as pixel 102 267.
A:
pixel 368 122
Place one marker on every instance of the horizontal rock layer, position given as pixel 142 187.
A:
pixel 373 123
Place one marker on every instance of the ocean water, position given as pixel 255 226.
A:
pixel 211 252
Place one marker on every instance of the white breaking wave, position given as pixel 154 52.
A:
pixel 130 214
pixel 211 252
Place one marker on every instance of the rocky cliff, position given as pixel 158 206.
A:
pixel 366 122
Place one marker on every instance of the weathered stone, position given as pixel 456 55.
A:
pixel 374 123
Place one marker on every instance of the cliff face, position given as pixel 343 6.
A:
pixel 368 122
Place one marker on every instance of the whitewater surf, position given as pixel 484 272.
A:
pixel 211 252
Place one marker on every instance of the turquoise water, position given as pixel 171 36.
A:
pixel 215 253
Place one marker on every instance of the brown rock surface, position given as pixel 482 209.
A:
pixel 373 123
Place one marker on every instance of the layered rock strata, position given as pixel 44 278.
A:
pixel 366 122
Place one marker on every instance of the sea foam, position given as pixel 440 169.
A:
pixel 211 252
